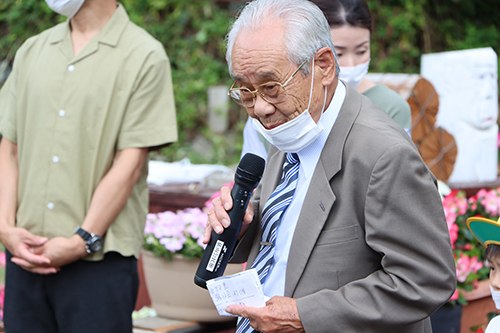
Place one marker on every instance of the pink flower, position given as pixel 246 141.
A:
pixel 169 224
pixel 466 265
pixel 150 223
pixel 173 243
pixel 453 234
pixel 455 295
pixel 2 259
pixel 2 296
pixel 490 202
pixel 196 220
pixel 171 230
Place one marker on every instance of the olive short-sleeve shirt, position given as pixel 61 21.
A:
pixel 69 114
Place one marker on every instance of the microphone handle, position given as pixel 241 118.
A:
pixel 221 247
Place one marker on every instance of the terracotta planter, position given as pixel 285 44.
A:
pixel 173 292
pixel 480 304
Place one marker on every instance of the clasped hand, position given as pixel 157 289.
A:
pixel 40 255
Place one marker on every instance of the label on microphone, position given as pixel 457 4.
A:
pixel 215 255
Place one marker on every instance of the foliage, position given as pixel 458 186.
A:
pixel 467 250
pixel 482 328
pixel 192 33
pixel 403 30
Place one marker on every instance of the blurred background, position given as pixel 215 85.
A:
pixel 192 33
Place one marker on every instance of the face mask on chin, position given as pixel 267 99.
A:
pixel 65 7
pixel 354 75
pixel 295 134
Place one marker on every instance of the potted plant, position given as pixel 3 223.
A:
pixel 176 233
pixel 471 269
pixel 171 254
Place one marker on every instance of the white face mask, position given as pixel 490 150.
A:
pixel 354 75
pixel 296 134
pixel 496 297
pixel 65 7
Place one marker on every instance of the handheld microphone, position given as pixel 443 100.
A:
pixel 220 247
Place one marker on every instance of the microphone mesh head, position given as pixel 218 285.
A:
pixel 250 168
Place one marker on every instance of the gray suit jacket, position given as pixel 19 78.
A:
pixel 371 250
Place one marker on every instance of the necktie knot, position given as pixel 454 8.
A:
pixel 292 158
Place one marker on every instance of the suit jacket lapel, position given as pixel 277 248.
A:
pixel 320 197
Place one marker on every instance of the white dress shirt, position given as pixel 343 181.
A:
pixel 274 285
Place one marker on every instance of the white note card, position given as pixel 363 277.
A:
pixel 242 288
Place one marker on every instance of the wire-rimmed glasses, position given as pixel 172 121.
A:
pixel 271 92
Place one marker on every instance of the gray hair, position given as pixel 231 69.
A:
pixel 306 28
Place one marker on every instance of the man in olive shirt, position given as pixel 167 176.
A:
pixel 85 102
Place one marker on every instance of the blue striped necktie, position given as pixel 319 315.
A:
pixel 271 216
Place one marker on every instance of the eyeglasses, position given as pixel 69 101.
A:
pixel 271 92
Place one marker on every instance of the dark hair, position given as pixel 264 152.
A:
pixel 492 251
pixel 346 12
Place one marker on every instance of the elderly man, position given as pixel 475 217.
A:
pixel 86 101
pixel 353 237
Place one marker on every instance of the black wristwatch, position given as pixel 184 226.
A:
pixel 93 243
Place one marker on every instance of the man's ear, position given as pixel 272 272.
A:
pixel 325 59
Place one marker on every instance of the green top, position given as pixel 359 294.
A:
pixel 69 115
pixel 389 100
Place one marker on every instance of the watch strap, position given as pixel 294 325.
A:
pixel 84 234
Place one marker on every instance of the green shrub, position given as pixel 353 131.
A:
pixel 193 35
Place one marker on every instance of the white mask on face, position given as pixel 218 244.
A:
pixel 65 7
pixel 354 75
pixel 296 134
pixel 496 297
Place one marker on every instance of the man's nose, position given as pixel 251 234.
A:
pixel 262 108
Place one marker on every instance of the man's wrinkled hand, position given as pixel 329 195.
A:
pixel 279 315
pixel 218 219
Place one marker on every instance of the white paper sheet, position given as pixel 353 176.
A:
pixel 242 288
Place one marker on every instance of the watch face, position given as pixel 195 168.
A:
pixel 95 244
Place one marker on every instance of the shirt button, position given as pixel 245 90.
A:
pixel 62 113
pixel 55 159
pixel 71 68
pixel 50 205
